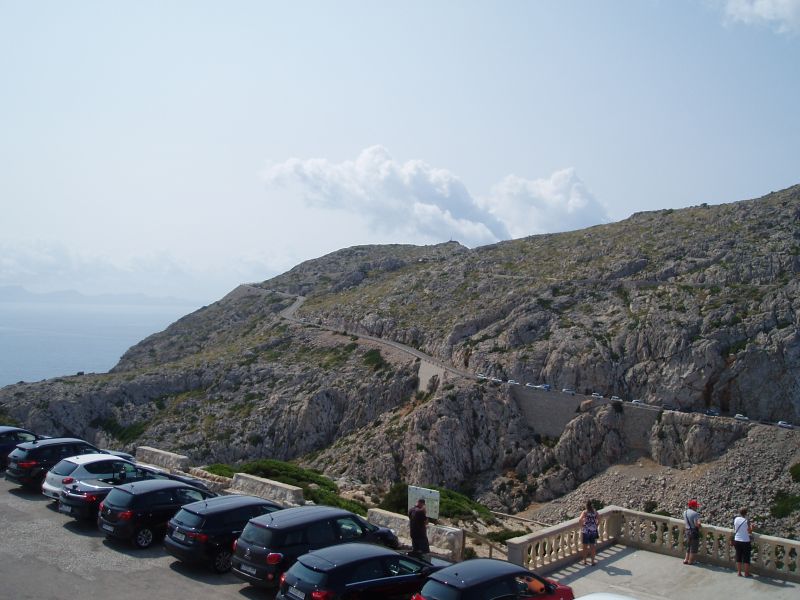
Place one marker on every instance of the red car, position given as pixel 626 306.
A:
pixel 490 579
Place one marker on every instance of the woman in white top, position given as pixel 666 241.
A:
pixel 742 528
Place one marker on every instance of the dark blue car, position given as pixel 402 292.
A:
pixel 10 437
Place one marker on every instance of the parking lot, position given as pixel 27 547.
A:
pixel 46 555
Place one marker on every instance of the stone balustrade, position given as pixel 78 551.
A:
pixel 555 547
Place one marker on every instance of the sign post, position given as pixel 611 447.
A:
pixel 431 500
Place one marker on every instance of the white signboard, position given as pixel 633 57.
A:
pixel 431 500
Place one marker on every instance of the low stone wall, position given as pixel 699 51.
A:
pixel 162 458
pixel 282 493
pixel 216 483
pixel 445 541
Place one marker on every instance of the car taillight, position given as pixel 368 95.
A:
pixel 274 558
pixel 418 597
pixel 89 498
pixel 67 480
pixel 322 595
pixel 234 544
pixel 125 515
pixel 282 579
pixel 102 506
pixel 27 464
pixel 199 537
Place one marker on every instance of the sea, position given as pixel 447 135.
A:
pixel 44 340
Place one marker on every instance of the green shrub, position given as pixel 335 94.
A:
pixel 504 534
pixel 784 505
pixel 458 506
pixel 373 358
pixel 396 499
pixel 794 471
pixel 221 469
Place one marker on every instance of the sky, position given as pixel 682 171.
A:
pixel 181 147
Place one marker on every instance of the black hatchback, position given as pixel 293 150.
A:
pixel 29 462
pixel 270 544
pixel 139 511
pixel 10 437
pixel 204 532
pixel 355 571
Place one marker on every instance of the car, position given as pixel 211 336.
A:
pixel 597 395
pixel 355 571
pixel 270 544
pixel 634 401
pixel 513 382
pixel 740 417
pixel 81 499
pixel 82 466
pixel 496 379
pixel 204 532
pixel 482 376
pixel 11 436
pixel 569 391
pixel 711 412
pixel 490 579
pixel 29 462
pixel 139 511
pixel 785 424
pixel 539 386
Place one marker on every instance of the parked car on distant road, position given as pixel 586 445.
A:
pixel 740 417
pixel 204 532
pixel 139 511
pixel 597 395
pixel 355 571
pixel 11 436
pixel 29 462
pixel 785 424
pixel 712 412
pixel 490 579
pixel 270 544
pixel 569 391
pixel 616 398
pixel 636 401
pixel 513 382
pixel 482 376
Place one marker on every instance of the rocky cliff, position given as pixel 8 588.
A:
pixel 694 307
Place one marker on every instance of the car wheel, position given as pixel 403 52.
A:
pixel 143 537
pixel 222 560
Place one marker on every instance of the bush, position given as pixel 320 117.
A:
pixel 504 535
pixel 794 471
pixel 396 499
pixel 373 358
pixel 784 505
pixel 220 469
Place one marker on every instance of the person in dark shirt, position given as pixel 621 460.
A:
pixel 418 527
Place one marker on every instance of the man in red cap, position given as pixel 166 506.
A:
pixel 691 518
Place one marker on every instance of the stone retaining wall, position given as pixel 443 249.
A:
pixel 162 458
pixel 282 493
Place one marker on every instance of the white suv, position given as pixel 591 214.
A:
pixel 83 466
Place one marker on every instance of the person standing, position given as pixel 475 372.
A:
pixel 589 522
pixel 691 519
pixel 742 528
pixel 418 528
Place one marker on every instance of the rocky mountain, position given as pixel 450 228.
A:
pixel 694 307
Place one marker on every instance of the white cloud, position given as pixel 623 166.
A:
pixel 417 203
pixel 783 15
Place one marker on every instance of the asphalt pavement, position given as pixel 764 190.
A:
pixel 46 555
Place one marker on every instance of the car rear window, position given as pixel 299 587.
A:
pixel 260 536
pixel 18 453
pixel 433 590
pixel 189 519
pixel 64 468
pixel 306 575
pixel 120 498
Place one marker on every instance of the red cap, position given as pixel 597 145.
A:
pixel 692 503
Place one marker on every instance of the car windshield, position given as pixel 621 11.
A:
pixel 64 468
pixel 120 498
pixel 189 519
pixel 260 536
pixel 433 590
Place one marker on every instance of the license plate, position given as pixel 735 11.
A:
pixel 248 569
pixel 295 593
pixel 64 508
pixel 179 536
pixel 107 527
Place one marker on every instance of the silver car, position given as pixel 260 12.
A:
pixel 81 467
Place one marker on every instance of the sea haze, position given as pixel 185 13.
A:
pixel 43 340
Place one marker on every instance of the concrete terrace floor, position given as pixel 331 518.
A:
pixel 650 576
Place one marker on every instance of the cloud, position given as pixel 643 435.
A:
pixel 416 202
pixel 783 15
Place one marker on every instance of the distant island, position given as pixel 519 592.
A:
pixel 15 293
